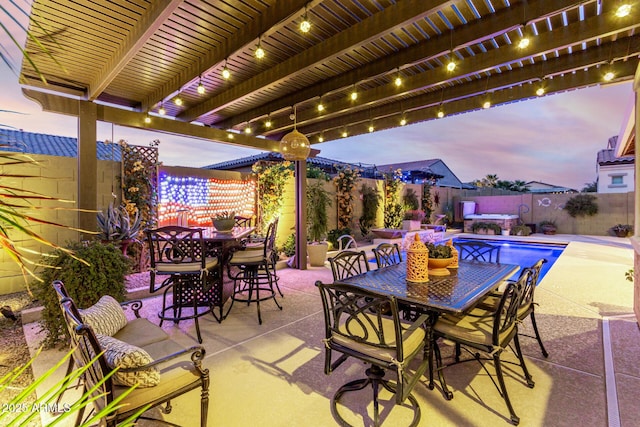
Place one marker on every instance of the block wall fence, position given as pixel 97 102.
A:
pixel 57 177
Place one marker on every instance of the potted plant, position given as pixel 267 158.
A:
pixel 224 221
pixel 412 219
pixel 548 226
pixel 521 230
pixel 440 256
pixel 486 228
pixel 622 230
pixel 115 225
pixel 317 202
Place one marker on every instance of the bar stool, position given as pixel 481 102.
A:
pixel 254 272
pixel 179 263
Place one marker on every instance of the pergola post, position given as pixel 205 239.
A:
pixel 87 165
pixel 301 214
pixel 635 240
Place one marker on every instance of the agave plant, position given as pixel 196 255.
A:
pixel 115 224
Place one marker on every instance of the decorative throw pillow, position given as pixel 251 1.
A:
pixel 119 354
pixel 106 317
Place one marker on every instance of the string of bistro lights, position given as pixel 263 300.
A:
pixel 527 31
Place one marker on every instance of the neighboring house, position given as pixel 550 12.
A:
pixel 543 187
pixel 614 174
pixel 444 176
pixel 244 164
pixel 51 145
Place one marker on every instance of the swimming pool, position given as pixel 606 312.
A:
pixel 525 254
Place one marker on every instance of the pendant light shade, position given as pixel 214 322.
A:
pixel 294 145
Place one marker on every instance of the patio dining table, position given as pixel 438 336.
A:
pixel 455 293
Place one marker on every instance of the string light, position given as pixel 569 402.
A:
pixel 345 134
pixel 247 130
pixel 487 104
pixel 403 121
pixel 226 74
pixel 162 111
pixel 259 50
pixel 608 76
pixel 623 10
pixel 268 123
pixel 201 88
pixel 305 25
pixel 540 91
pixel 178 101
pixel 523 43
pixel 371 128
pixel 440 114
pixel 320 107
pixel 354 93
pixel 451 65
pixel 321 138
pixel 147 119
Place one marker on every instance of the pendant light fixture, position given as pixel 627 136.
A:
pixel 294 145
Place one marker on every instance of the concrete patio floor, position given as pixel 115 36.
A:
pixel 272 374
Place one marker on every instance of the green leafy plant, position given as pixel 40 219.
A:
pixel 622 230
pixel 317 202
pixel 345 181
pixel 393 211
pixel 139 185
pixel 520 230
pixel 439 251
pixel 370 205
pixel 271 179
pixel 333 235
pixel 410 200
pixel 485 226
pixel 115 224
pixel 289 246
pixel 225 215
pixel 581 205
pixel 427 202
pixel 103 275
pixel 50 397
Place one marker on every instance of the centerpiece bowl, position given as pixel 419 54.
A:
pixel 438 266
pixel 223 225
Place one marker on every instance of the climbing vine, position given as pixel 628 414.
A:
pixel 271 178
pixel 393 211
pixel 345 181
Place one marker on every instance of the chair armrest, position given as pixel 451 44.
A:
pixel 135 305
pixel 197 355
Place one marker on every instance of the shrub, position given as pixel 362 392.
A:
pixel 370 204
pixel 520 230
pixel 410 200
pixel 289 246
pixel 581 205
pixel 333 235
pixel 105 275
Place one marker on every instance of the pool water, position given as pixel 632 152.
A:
pixel 526 254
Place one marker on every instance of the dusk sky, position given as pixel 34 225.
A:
pixel 552 139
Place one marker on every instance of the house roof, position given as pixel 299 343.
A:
pixel 51 145
pixel 543 187
pixel 133 57
pixel 436 166
pixel 608 156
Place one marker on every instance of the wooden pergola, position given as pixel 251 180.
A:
pixel 369 64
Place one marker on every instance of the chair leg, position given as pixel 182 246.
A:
pixel 448 395
pixel 527 375
pixel 535 329
pixel 515 420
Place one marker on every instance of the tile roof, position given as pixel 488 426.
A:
pixel 51 145
pixel 608 155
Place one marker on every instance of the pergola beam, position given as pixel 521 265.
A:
pixel 272 20
pixel 160 11
pixel 389 19
pixel 68 106
pixel 476 32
